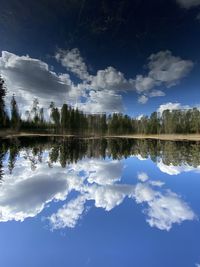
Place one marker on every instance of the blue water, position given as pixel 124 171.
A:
pixel 99 212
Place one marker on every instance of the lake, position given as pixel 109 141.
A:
pixel 99 202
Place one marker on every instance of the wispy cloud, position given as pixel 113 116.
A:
pixel 188 3
pixel 165 70
pixel 73 62
pixel 69 214
pixel 143 99
pixel 175 170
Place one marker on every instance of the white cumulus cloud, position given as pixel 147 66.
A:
pixel 175 170
pixel 25 193
pixel 172 106
pixel 143 176
pixel 27 78
pixel 163 209
pixel 168 69
pixel 111 79
pixel 102 101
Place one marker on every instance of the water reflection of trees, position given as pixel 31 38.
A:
pixel 70 150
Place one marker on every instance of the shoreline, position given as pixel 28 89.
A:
pixel 166 137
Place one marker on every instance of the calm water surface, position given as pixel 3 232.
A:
pixel 98 202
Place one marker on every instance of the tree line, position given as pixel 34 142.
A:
pixel 69 120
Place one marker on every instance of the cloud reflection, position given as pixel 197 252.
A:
pixel 25 193
pixel 175 170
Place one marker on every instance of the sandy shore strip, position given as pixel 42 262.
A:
pixel 167 137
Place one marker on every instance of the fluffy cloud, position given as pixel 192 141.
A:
pixel 107 79
pixel 143 177
pixel 25 193
pixel 110 196
pixel 72 61
pixel 143 84
pixel 28 198
pixel 188 3
pixel 69 214
pixel 106 197
pixel 164 70
pixel 102 101
pixel 175 170
pixel 111 79
pixel 144 193
pixel 27 78
pixel 164 209
pixel 143 99
pixel 101 187
pixel 172 106
pixel 168 69
pixel 100 172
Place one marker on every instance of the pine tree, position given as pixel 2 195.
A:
pixel 15 117
pixel 64 117
pixel 55 115
pixel 3 116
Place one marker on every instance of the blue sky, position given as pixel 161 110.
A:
pixel 131 212
pixel 102 56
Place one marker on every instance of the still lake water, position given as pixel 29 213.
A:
pixel 112 203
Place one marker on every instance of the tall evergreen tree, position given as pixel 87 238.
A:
pixel 65 117
pixel 15 117
pixel 55 115
pixel 35 111
pixel 3 116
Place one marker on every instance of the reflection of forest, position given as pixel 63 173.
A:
pixel 69 150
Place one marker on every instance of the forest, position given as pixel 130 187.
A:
pixel 69 120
